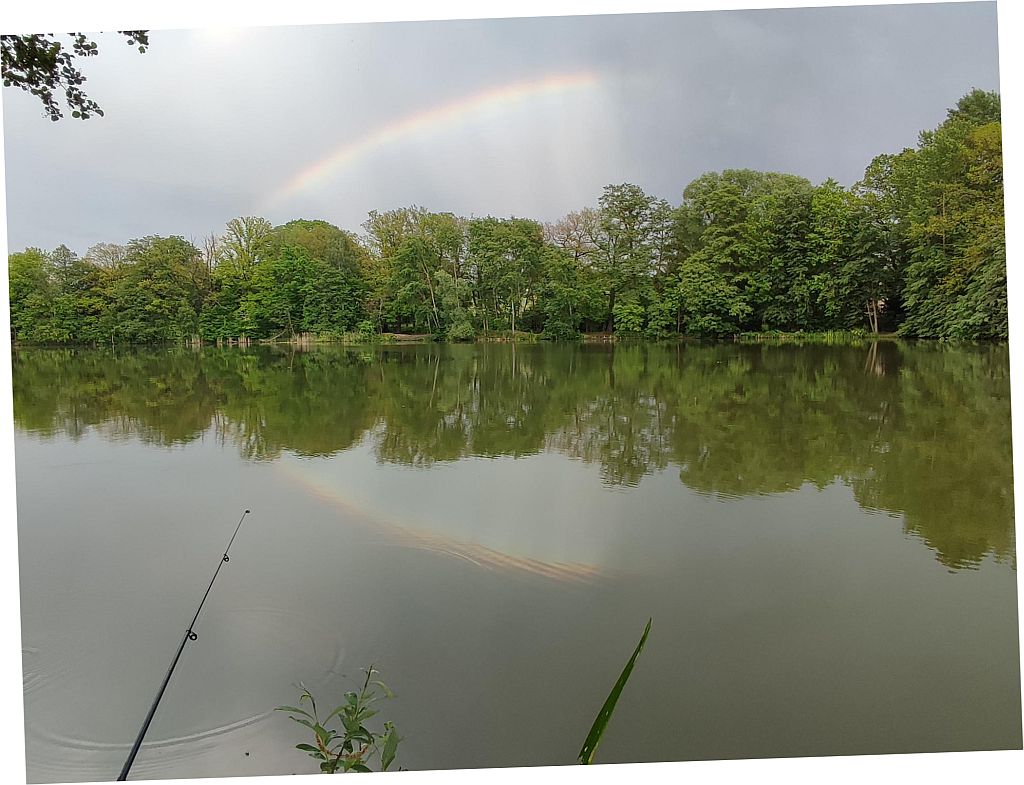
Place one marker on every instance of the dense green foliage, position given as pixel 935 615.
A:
pixel 916 246
pixel 918 429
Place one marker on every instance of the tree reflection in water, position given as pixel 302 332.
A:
pixel 919 430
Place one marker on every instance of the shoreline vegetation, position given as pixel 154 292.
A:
pixel 309 340
pixel 915 249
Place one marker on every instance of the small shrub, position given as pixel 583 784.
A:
pixel 629 318
pixel 367 330
pixel 352 745
pixel 461 331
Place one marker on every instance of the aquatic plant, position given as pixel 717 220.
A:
pixel 351 746
pixel 597 730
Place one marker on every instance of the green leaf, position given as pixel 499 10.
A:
pixel 334 713
pixel 387 690
pixel 586 755
pixel 387 755
pixel 306 695
pixel 360 767
pixel 306 748
pixel 322 733
pixel 295 710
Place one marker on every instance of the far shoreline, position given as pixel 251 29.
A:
pixel 835 338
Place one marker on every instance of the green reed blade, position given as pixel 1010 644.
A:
pixel 594 737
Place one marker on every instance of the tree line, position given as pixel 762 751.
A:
pixel 916 247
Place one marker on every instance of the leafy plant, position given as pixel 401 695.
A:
pixel 42 66
pixel 353 745
pixel 597 730
pixel 366 330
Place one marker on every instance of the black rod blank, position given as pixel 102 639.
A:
pixel 190 635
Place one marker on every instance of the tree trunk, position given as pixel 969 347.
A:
pixel 872 312
pixel 433 304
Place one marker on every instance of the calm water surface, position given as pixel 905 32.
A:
pixel 823 535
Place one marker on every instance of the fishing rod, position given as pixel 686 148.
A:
pixel 189 636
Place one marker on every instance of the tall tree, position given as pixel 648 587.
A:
pixel 246 244
pixel 955 283
pixel 324 241
pixel 30 296
pixel 626 249
pixel 109 255
pixel 577 234
pixel 158 295
pixel 507 254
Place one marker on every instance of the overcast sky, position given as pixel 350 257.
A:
pixel 526 117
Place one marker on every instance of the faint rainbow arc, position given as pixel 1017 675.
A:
pixel 414 537
pixel 501 97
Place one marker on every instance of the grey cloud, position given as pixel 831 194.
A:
pixel 201 129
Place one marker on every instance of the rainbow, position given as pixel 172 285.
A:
pixel 503 98
pixel 409 536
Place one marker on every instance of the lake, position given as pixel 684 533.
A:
pixel 823 536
